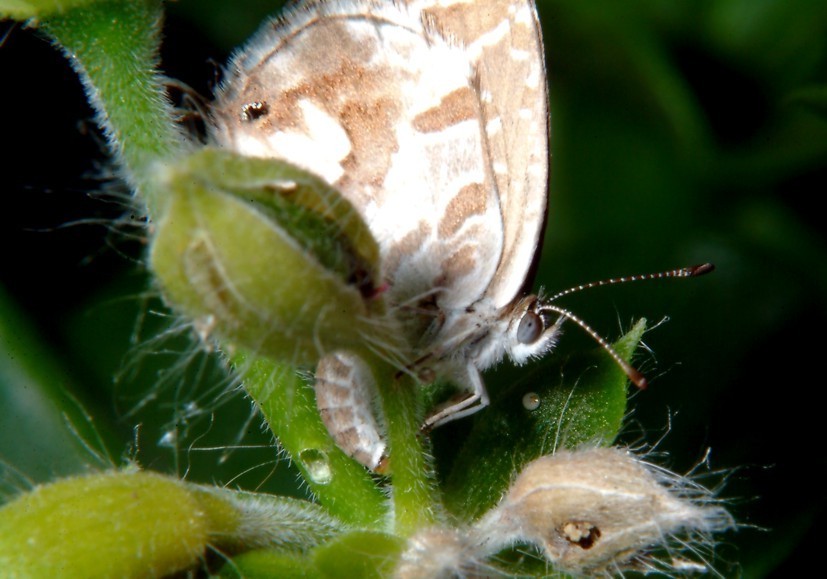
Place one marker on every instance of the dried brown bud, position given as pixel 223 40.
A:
pixel 599 510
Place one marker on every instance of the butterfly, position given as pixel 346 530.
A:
pixel 431 117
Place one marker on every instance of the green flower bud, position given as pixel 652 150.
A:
pixel 140 524
pixel 268 257
pixel 115 524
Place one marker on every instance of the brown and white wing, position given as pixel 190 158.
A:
pixel 369 98
pixel 505 43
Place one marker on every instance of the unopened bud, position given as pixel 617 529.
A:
pixel 600 509
pixel 275 259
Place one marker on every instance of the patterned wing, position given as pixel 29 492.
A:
pixel 367 96
pixel 504 40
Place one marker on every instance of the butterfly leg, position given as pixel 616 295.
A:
pixel 476 400
pixel 345 394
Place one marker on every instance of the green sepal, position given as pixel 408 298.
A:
pixel 313 213
pixel 586 406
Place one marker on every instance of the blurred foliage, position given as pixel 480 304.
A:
pixel 682 132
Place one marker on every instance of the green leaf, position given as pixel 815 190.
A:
pixel 539 414
pixel 42 426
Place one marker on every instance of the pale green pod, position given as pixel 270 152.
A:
pixel 115 524
pixel 268 257
pixel 131 523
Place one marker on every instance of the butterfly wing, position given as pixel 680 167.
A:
pixel 367 96
pixel 430 116
pixel 504 41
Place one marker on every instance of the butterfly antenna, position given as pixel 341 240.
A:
pixel 692 271
pixel 634 375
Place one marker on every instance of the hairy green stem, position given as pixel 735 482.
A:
pixel 113 46
pixel 413 479
pixel 289 406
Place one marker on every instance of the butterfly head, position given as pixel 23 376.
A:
pixel 532 330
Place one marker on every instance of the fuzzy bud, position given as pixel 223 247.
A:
pixel 266 256
pixel 599 510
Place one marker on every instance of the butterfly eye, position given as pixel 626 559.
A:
pixel 530 328
pixel 254 110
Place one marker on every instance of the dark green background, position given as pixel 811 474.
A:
pixel 682 131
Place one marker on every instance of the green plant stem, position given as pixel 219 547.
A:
pixel 413 479
pixel 113 46
pixel 289 406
